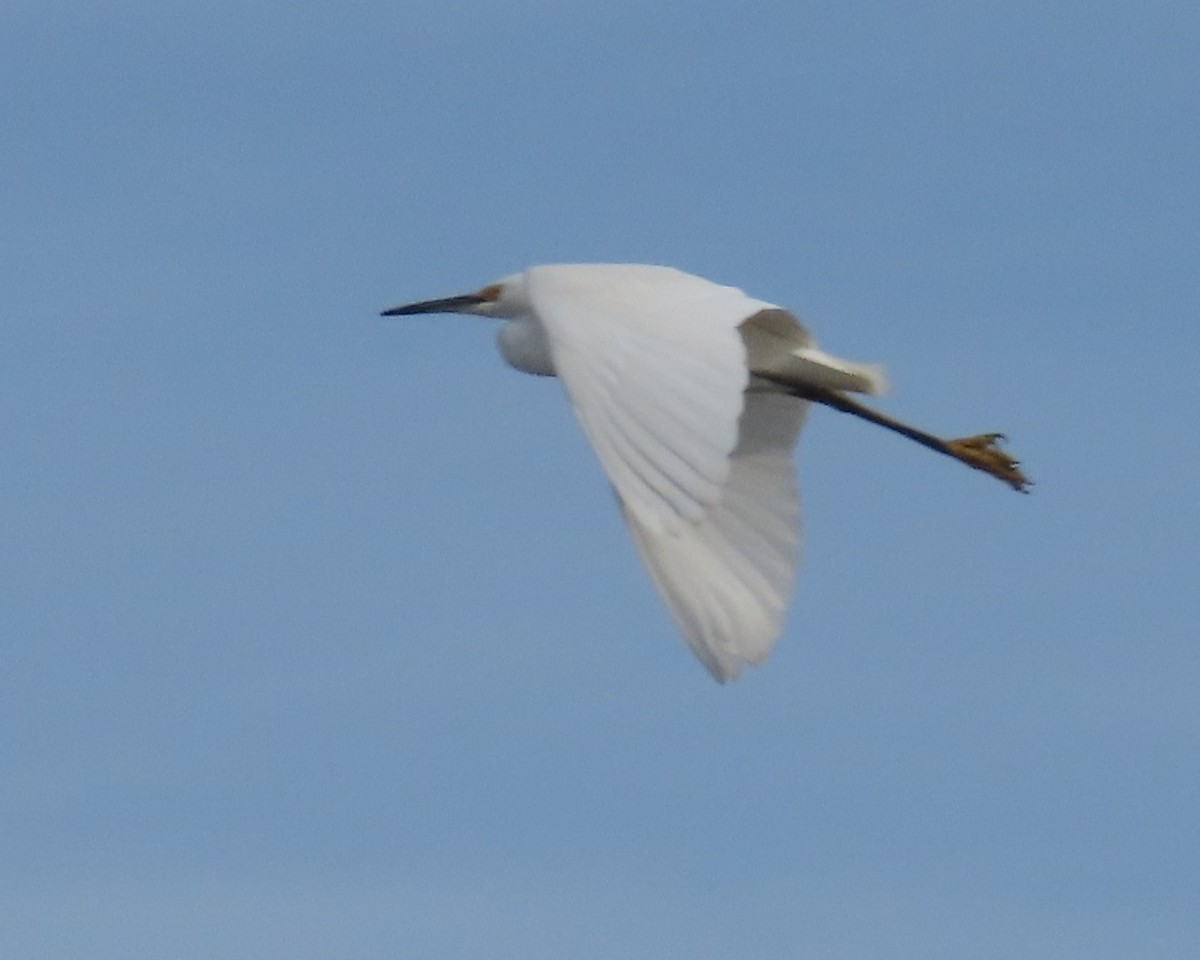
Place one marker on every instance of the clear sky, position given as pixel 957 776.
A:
pixel 320 635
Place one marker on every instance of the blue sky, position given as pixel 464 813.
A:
pixel 321 635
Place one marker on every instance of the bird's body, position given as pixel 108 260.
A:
pixel 692 394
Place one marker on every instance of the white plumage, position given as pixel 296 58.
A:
pixel 692 394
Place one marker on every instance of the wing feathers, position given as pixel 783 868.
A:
pixel 655 365
pixel 727 578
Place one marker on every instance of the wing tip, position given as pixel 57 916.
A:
pixel 724 664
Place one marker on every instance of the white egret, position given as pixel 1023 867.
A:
pixel 692 395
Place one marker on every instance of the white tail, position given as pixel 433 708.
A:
pixel 812 367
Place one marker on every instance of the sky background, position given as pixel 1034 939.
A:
pixel 320 635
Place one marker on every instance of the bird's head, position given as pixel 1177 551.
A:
pixel 504 298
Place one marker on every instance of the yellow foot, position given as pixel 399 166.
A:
pixel 983 453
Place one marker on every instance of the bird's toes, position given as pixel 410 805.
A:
pixel 983 452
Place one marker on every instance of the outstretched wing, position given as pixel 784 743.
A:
pixel 727 577
pixel 655 366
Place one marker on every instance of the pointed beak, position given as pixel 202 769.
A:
pixel 462 304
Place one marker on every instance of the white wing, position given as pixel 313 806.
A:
pixel 727 578
pixel 656 369
pixel 654 366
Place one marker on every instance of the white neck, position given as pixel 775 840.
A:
pixel 523 344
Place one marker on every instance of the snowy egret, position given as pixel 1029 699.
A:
pixel 692 395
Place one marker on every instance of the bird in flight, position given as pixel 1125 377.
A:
pixel 692 395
